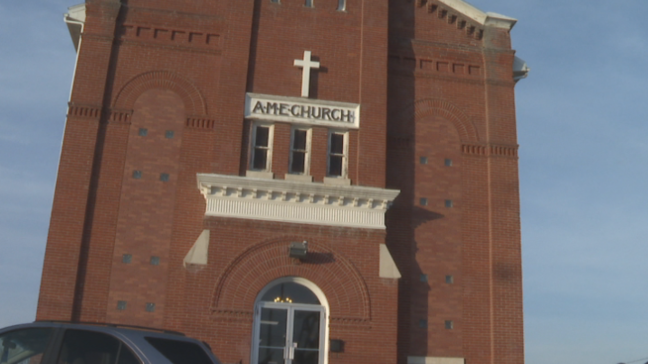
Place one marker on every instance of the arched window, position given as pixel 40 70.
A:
pixel 341 5
pixel 290 292
pixel 290 323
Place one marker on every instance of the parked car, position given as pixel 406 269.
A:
pixel 45 342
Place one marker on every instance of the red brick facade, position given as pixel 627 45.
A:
pixel 159 97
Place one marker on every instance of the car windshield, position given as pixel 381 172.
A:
pixel 180 352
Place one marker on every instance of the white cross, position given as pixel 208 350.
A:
pixel 306 65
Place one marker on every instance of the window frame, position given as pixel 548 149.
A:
pixel 345 154
pixel 307 151
pixel 165 347
pixel 269 148
pixel 121 343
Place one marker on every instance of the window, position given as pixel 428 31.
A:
pixel 337 154
pixel 262 147
pixel 180 352
pixel 290 292
pixel 300 151
pixel 24 346
pixel 290 324
pixel 309 3
pixel 89 347
pixel 341 5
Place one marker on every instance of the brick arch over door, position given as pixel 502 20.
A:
pixel 347 294
pixel 191 96
pixel 446 110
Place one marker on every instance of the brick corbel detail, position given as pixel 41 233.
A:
pixel 114 116
pixel 471 29
pixel 84 111
pixel 485 150
pixel 200 122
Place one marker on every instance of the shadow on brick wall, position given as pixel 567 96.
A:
pixel 404 217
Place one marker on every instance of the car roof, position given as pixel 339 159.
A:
pixel 109 327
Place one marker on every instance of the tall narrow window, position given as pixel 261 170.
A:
pixel 341 5
pixel 299 151
pixel 337 155
pixel 262 147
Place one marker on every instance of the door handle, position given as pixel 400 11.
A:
pixel 291 351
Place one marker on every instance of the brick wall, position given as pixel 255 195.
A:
pixel 438 123
pixel 451 102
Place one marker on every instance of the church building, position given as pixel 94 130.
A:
pixel 293 181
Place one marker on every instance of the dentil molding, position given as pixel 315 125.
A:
pixel 296 202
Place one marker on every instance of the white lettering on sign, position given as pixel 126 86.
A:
pixel 298 110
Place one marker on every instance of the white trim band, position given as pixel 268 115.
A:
pixel 296 202
pixel 487 19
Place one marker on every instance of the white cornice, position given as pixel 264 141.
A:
pixel 499 21
pixel 75 19
pixel 483 18
pixel 77 12
pixel 296 202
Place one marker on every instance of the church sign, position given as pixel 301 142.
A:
pixel 302 110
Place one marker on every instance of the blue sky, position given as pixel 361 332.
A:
pixel 582 129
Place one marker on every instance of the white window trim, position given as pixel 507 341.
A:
pixel 344 178
pixel 324 308
pixel 267 171
pixel 307 158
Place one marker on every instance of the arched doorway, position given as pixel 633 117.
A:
pixel 290 323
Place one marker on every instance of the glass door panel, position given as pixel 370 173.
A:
pixel 273 326
pixel 306 357
pixel 271 356
pixel 306 336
